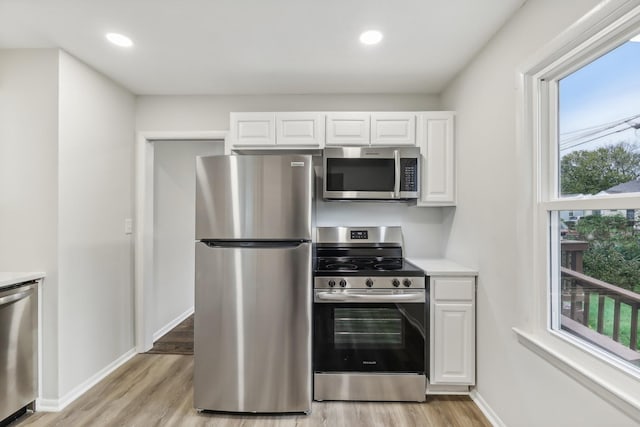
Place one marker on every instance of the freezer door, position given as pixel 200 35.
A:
pixel 253 329
pixel 254 197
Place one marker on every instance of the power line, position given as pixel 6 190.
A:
pixel 602 125
pixel 596 132
pixel 593 139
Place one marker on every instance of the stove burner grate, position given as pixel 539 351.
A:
pixel 360 264
pixel 340 266
pixel 388 265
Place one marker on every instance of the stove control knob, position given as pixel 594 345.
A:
pixel 395 282
pixel 369 283
pixel 343 283
pixel 406 282
pixel 332 283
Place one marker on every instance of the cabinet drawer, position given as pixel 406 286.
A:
pixel 453 288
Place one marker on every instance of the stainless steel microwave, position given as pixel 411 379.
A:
pixel 371 173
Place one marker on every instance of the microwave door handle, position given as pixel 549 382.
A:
pixel 396 187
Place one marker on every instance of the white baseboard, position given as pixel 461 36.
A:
pixel 169 326
pixel 55 405
pixel 488 412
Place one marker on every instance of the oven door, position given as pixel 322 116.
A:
pixel 369 331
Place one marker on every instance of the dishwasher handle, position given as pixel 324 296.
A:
pixel 15 297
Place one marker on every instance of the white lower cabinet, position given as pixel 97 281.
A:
pixel 452 356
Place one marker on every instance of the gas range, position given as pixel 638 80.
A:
pixel 370 327
pixel 363 257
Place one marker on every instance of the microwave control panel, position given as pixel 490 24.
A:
pixel 409 174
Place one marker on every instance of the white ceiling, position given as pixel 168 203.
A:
pixel 262 46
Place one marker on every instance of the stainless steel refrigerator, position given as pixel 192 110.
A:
pixel 253 283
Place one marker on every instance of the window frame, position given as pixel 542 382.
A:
pixel 604 28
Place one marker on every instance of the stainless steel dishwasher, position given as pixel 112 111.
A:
pixel 18 348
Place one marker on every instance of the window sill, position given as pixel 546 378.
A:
pixel 588 369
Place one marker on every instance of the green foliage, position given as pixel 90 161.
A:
pixel 608 318
pixel 614 250
pixel 590 172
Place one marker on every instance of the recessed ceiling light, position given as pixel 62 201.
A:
pixel 371 37
pixel 119 40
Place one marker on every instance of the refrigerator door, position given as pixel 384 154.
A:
pixel 254 197
pixel 253 329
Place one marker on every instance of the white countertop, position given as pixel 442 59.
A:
pixel 442 267
pixel 13 278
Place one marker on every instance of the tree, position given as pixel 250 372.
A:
pixel 614 250
pixel 593 171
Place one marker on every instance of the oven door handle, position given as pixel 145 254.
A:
pixel 355 297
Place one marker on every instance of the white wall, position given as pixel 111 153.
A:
pixel 422 227
pixel 193 113
pixel 174 226
pixel 95 156
pixel 520 387
pixel 29 181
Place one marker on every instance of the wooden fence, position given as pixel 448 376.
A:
pixel 577 291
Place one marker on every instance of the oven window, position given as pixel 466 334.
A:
pixel 360 174
pixel 369 337
pixel 367 328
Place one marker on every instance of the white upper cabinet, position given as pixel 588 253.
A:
pixel 253 129
pixel 435 137
pixel 298 129
pixel 277 130
pixel 363 128
pixel 393 129
pixel 348 128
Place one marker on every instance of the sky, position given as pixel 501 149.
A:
pixel 603 91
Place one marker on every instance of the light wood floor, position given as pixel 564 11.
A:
pixel 156 390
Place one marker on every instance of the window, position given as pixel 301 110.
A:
pixel 577 283
pixel 581 121
pixel 595 251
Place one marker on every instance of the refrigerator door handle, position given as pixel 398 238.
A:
pixel 254 243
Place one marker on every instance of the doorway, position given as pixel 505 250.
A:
pixel 174 229
pixel 165 225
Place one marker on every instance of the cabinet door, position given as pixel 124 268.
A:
pixel 452 329
pixel 252 129
pixel 348 128
pixel 454 344
pixel 437 147
pixel 300 129
pixel 393 129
